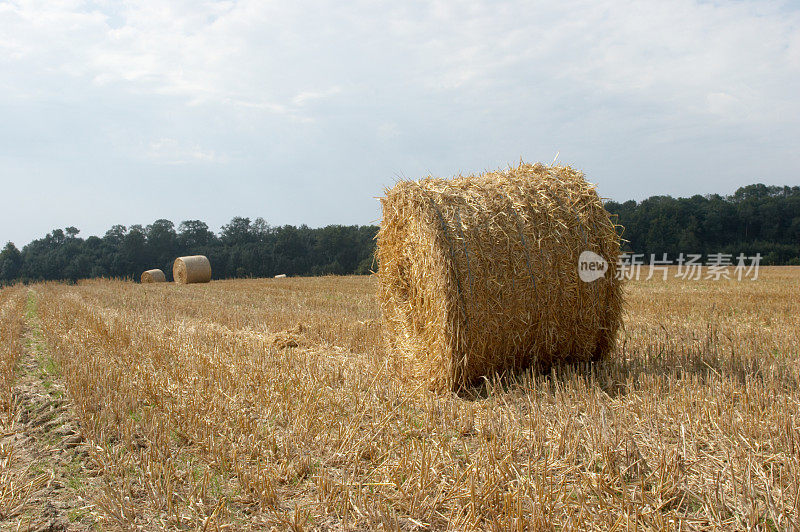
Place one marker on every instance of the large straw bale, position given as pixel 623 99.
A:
pixel 479 274
pixel 153 276
pixel 193 269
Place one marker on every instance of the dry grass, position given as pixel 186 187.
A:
pixel 11 496
pixel 10 328
pixel 17 483
pixel 269 404
pixel 12 309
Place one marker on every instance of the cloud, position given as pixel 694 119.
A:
pixel 257 54
pixel 305 97
pixel 648 96
pixel 388 130
pixel 721 103
pixel 171 151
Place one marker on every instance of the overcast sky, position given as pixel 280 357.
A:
pixel 302 112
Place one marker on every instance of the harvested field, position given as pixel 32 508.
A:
pixel 269 404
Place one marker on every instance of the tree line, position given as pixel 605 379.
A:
pixel 242 248
pixel 755 219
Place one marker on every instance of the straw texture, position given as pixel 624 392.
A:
pixel 193 269
pixel 153 276
pixel 479 274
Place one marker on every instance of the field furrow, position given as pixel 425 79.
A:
pixel 45 481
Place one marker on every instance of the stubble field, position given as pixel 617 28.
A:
pixel 270 404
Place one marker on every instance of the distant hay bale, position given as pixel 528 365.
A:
pixel 479 274
pixel 153 276
pixel 281 276
pixel 193 269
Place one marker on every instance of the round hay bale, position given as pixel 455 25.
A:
pixel 479 274
pixel 193 269
pixel 153 276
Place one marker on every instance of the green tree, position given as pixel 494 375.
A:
pixel 162 245
pixel 10 263
pixel 194 235
pixel 237 232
